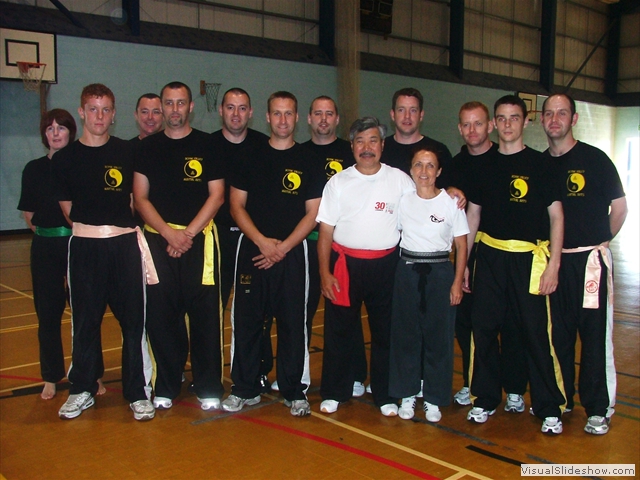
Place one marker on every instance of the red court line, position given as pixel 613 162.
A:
pixel 291 431
pixel 331 443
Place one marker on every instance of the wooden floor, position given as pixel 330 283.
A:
pixel 265 441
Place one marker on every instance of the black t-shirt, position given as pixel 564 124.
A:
pixel 399 155
pixel 179 172
pixel 278 183
pixel 38 195
pixel 97 180
pixel 590 182
pixel 514 192
pixel 336 156
pixel 461 166
pixel 229 153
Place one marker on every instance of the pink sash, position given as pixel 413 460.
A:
pixel 108 231
pixel 592 273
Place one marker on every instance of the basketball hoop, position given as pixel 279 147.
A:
pixel 31 74
pixel 211 91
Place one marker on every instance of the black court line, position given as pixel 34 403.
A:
pixel 495 456
pixel 224 414
pixel 455 432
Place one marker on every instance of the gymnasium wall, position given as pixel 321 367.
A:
pixel 130 70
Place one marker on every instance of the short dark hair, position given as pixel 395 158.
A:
pixel 511 100
pixel 423 148
pixel 407 92
pixel 61 117
pixel 472 106
pixel 176 86
pixel 236 91
pixel 149 96
pixel 365 123
pixel 97 90
pixel 283 95
pixel 324 97
pixel 572 102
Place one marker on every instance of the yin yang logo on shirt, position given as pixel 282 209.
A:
pixel 575 182
pixel 113 177
pixel 193 168
pixel 519 188
pixel 332 167
pixel 291 181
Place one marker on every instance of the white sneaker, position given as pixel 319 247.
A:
pixel 299 408
pixel 515 403
pixel 274 386
pixel 552 425
pixel 329 406
pixel 358 389
pixel 209 403
pixel 389 410
pixel 143 410
pixel 162 403
pixel 233 403
pixel 75 405
pixel 463 397
pixel 407 408
pixel 479 415
pixel 597 425
pixel 431 412
pixel 368 389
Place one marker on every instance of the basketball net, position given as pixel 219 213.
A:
pixel 31 74
pixel 347 18
pixel 210 90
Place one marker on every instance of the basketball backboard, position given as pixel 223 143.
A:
pixel 25 46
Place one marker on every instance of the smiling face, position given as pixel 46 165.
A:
pixel 425 169
pixel 282 117
pixel 236 112
pixel 57 136
pixel 323 118
pixel 557 120
pixel 407 115
pixel 97 114
pixel 149 116
pixel 367 149
pixel 176 107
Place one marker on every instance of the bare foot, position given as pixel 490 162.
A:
pixel 101 388
pixel 49 391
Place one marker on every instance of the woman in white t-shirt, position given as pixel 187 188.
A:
pixel 426 291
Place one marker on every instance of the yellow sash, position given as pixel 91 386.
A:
pixel 540 253
pixel 207 268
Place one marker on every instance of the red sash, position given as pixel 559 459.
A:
pixel 341 272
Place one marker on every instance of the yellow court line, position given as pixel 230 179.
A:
pixel 6 390
pixel 18 315
pixel 68 357
pixel 13 298
pixel 399 447
pixel 456 476
pixel 16 291
pixel 31 326
pixel 461 471
pixel 35 325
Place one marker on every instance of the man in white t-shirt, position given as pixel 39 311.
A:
pixel 356 252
